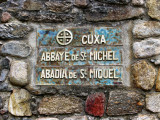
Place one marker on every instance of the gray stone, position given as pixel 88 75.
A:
pixel 32 5
pixel 58 7
pixel 43 16
pixel 155 59
pixel 60 105
pixel 113 118
pixel 4 68
pixel 154 8
pixel 34 104
pixel 76 118
pixel 4 63
pixel 47 118
pixel 3 75
pixel 112 13
pixel 143 29
pixel 115 1
pixel 15 48
pixel 19 73
pixel 1 103
pixel 153 102
pixel 21 118
pixel 4 105
pixel 144 74
pixel 1 118
pixel 39 90
pixel 4 87
pixel 138 2
pixel 146 48
pixel 124 102
pixel 19 104
pixel 14 30
pixel 145 117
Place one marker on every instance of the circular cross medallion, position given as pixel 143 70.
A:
pixel 64 37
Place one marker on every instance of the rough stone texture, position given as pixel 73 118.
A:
pixel 19 103
pixel 144 74
pixel 60 105
pixel 15 48
pixel 38 90
pixel 4 63
pixel 115 1
pixel 154 8
pixel 76 118
pixel 153 102
pixel 32 5
pixel 113 118
pixel 47 119
pixel 4 68
pixel 5 17
pixel 158 115
pixel 4 103
pixel 3 75
pixel 112 13
pixel 146 48
pixel 143 29
pixel 95 104
pixel 43 16
pixel 124 102
pixel 1 103
pixel 19 73
pixel 34 105
pixel 5 87
pixel 145 117
pixel 155 59
pixel 14 30
pixel 158 81
pixel 21 118
pixel 81 3
pixel 138 2
pixel 58 7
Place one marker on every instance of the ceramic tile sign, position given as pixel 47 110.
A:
pixel 79 56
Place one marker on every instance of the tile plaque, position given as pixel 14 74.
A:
pixel 79 56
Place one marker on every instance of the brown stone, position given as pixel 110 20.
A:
pixel 32 5
pixel 158 81
pixel 60 105
pixel 144 74
pixel 124 102
pixel 154 8
pixel 81 3
pixel 19 104
pixel 5 17
pixel 58 6
pixel 113 13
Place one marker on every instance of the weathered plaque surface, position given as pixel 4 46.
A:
pixel 79 56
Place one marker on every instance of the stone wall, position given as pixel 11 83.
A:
pixel 21 99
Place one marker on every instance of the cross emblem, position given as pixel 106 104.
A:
pixel 64 37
